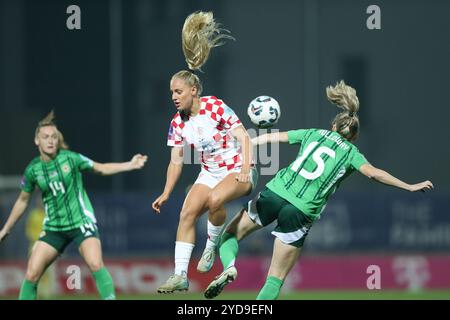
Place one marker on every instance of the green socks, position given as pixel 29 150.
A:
pixel 105 284
pixel 28 291
pixel 103 280
pixel 271 289
pixel 228 249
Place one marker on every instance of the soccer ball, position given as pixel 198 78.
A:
pixel 264 111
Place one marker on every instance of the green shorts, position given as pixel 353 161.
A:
pixel 293 225
pixel 61 239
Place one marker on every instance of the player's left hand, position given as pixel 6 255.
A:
pixel 422 186
pixel 138 161
pixel 243 177
pixel 3 235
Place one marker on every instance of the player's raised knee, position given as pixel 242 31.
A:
pixel 215 202
pixel 188 216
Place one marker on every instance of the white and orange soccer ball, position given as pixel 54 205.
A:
pixel 264 111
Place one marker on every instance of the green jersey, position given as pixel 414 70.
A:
pixel 324 160
pixel 66 203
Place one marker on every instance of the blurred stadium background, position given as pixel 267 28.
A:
pixel 109 85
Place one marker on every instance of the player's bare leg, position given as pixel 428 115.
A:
pixel 283 259
pixel 238 228
pixel 227 190
pixel 91 251
pixel 241 225
pixel 41 257
pixel 194 206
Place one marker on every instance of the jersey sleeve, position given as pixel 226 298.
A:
pixel 296 136
pixel 228 118
pixel 174 137
pixel 358 160
pixel 28 182
pixel 83 163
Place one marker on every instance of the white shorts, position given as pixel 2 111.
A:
pixel 211 180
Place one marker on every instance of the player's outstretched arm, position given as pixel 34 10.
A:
pixel 17 211
pixel 274 137
pixel 173 174
pixel 384 177
pixel 107 169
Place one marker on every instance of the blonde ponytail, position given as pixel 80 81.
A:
pixel 200 34
pixel 344 97
pixel 346 123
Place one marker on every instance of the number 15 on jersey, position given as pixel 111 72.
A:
pixel 317 157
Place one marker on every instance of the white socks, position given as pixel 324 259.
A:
pixel 183 252
pixel 213 235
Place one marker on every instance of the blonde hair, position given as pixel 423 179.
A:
pixel 49 120
pixel 200 34
pixel 346 122
pixel 190 79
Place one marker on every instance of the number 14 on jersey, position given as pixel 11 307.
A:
pixel 56 186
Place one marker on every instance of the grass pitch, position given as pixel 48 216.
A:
pixel 299 295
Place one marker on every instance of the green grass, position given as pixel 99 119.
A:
pixel 312 295
pixel 305 295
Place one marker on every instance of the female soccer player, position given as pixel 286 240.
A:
pixel 69 216
pixel 297 195
pixel 214 130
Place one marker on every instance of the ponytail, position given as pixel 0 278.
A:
pixel 200 34
pixel 345 98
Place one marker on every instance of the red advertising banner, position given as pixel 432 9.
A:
pixel 136 276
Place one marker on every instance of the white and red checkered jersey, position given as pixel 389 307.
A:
pixel 209 133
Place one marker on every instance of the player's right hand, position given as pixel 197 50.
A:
pixel 423 186
pixel 138 161
pixel 157 204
